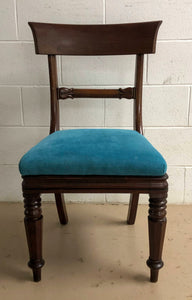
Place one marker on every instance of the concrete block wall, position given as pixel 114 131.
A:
pixel 24 92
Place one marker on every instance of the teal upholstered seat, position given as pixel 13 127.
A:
pixel 93 152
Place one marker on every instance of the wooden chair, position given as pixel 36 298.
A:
pixel 94 160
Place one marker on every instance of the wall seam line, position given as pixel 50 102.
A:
pixel 189 105
pixel 147 70
pixel 104 11
pixel 58 58
pixel 16 42
pixel 175 41
pixel 104 113
pixel 62 73
pixel 99 126
pixel 184 192
pixel 96 86
pixel 16 20
pixel 105 198
pixel 104 19
pixel 22 108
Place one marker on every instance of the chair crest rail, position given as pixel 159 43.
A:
pixel 65 93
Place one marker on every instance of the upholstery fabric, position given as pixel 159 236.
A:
pixel 93 152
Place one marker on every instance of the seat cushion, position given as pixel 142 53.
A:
pixel 93 152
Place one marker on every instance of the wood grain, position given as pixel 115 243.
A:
pixel 116 39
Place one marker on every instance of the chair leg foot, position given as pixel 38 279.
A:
pixel 132 211
pixel 36 266
pixel 157 225
pixel 37 275
pixel 61 208
pixel 154 275
pixel 33 227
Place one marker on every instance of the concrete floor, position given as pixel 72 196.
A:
pixel 96 256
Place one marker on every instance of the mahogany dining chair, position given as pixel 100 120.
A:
pixel 94 160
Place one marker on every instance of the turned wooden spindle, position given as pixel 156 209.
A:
pixel 33 226
pixel 157 224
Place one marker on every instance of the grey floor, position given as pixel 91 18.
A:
pixel 96 256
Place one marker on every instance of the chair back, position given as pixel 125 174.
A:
pixel 116 39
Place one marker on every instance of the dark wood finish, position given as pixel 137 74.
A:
pixel 33 226
pixel 54 124
pixel 61 208
pixel 138 126
pixel 133 204
pixel 95 184
pixel 139 86
pixel 157 224
pixel 118 39
pixel 155 186
pixel 65 93
pixel 53 39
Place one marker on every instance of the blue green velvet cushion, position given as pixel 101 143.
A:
pixel 93 152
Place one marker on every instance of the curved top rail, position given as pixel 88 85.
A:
pixel 115 39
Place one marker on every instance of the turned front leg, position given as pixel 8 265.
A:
pixel 157 224
pixel 33 226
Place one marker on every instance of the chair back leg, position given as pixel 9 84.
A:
pixel 132 211
pixel 61 208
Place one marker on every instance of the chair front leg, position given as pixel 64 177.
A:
pixel 33 226
pixel 157 224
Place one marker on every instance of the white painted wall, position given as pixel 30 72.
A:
pixel 24 93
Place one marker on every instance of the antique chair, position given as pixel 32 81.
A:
pixel 94 160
